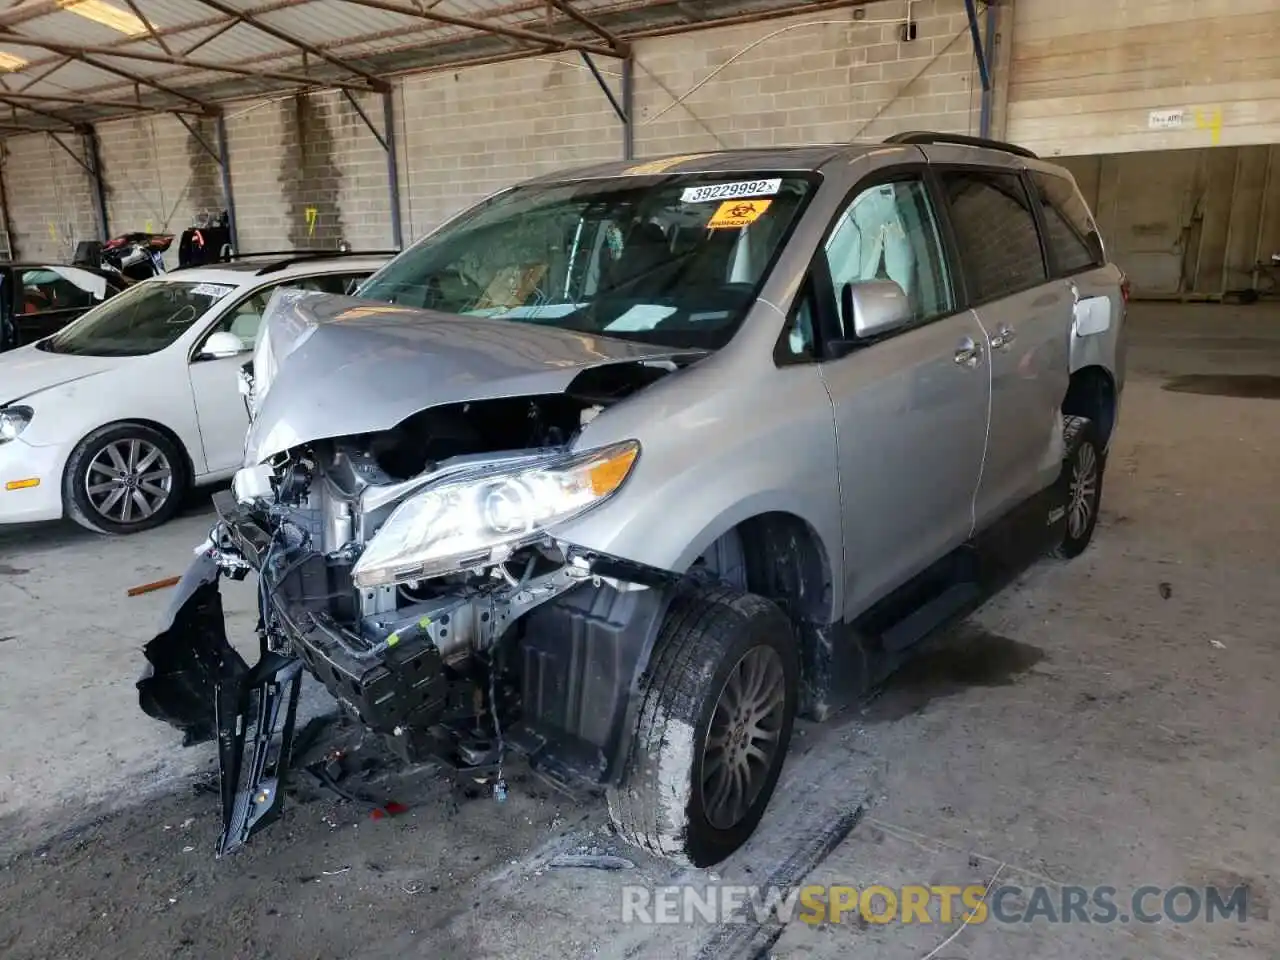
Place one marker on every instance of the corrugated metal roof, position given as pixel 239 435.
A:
pixel 179 44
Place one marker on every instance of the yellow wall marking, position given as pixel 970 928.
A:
pixel 1211 120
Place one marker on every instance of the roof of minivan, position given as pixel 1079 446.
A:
pixel 806 158
pixel 809 158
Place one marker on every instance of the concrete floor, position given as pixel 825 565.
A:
pixel 1110 721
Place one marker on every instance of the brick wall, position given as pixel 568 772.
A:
pixel 49 198
pixel 307 172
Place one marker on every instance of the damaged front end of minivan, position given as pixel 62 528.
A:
pixel 405 476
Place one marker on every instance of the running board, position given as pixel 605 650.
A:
pixel 845 660
pixel 917 625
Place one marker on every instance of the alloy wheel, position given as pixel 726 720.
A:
pixel 1083 491
pixel 742 738
pixel 128 480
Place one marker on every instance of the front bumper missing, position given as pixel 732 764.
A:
pixel 583 651
pixel 195 681
pixel 253 795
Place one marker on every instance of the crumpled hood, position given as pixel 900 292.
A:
pixel 338 366
pixel 27 371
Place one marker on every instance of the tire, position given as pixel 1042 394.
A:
pixel 675 795
pixel 120 505
pixel 1084 459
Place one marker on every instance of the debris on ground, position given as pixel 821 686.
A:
pixel 1166 589
pixel 1217 644
pixel 153 586
pixel 591 862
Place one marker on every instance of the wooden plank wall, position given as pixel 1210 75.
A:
pixel 1186 223
pixel 1085 76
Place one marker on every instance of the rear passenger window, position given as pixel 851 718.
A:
pixel 996 233
pixel 1069 232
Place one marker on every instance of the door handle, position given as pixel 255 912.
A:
pixel 968 353
pixel 1003 337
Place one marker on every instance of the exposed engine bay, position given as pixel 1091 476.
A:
pixel 453 652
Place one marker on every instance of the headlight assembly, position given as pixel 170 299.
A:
pixel 468 523
pixel 13 420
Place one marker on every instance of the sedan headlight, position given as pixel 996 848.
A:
pixel 13 420
pixel 468 523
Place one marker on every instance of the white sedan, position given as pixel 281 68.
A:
pixel 112 419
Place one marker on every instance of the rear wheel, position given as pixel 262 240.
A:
pixel 124 478
pixel 715 722
pixel 1081 479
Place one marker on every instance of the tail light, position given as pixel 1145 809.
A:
pixel 1124 289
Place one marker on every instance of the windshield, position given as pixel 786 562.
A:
pixel 143 319
pixel 675 261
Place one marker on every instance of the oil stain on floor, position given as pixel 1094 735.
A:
pixel 967 657
pixel 1246 386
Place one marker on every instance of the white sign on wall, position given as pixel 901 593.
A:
pixel 1166 119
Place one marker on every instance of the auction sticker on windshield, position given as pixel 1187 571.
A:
pixel 737 213
pixel 725 191
pixel 215 290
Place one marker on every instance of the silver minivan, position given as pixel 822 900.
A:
pixel 640 462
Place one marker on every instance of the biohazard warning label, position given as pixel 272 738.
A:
pixel 737 213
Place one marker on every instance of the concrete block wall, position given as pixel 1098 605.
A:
pixel 307 172
pixel 471 132
pixel 819 78
pixel 49 197
pixel 824 78
pixel 158 176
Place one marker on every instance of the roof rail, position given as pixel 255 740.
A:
pixel 960 139
pixel 290 257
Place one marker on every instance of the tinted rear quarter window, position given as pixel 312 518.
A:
pixel 1073 242
pixel 996 232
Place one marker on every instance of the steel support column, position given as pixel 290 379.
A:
pixel 224 161
pixel 992 24
pixel 971 10
pixel 386 138
pixel 621 104
pixel 91 164
pixel 628 108
pixel 99 188
pixel 393 166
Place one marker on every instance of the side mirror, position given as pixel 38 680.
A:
pixel 222 344
pixel 872 307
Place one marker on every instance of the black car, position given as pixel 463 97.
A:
pixel 37 299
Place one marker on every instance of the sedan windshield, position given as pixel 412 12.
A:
pixel 143 319
pixel 674 260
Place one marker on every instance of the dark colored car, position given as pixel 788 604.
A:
pixel 39 299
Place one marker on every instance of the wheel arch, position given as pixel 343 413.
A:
pixel 781 556
pixel 1092 393
pixel 168 432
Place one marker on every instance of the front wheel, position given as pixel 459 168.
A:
pixel 714 725
pixel 124 478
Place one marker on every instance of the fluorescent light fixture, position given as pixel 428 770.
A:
pixel 11 61
pixel 109 15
